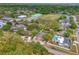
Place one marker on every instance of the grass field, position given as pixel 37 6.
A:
pixel 50 17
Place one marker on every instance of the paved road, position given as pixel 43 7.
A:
pixel 77 31
pixel 53 51
pixel 56 52
pixel 75 20
pixel 67 17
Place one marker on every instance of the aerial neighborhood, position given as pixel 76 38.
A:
pixel 39 29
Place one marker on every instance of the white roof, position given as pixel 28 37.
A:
pixel 22 16
pixel 61 39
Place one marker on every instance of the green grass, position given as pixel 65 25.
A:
pixel 50 17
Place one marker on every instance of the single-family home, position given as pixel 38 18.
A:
pixel 27 38
pixel 18 26
pixel 22 16
pixel 58 39
pixel 38 37
pixel 17 19
pixel 2 23
pixel 67 42
pixel 62 41
pixel 6 18
pixel 65 24
pixel 14 28
pixel 21 26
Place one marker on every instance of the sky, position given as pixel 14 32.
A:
pixel 39 1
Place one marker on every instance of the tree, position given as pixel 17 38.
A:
pixel 42 26
pixel 12 44
pixel 73 24
pixel 55 25
pixel 39 49
pixel 66 34
pixel 21 31
pixel 25 22
pixel 34 32
pixel 47 37
pixel 62 17
pixel 70 31
pixel 7 26
pixel 74 48
pixel 1 33
pixel 33 26
pixel 1 16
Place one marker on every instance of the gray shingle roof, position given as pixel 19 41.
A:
pixel 67 41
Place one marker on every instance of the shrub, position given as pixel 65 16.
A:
pixel 7 26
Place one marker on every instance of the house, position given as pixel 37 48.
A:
pixel 21 26
pixel 14 29
pixel 62 41
pixel 6 18
pixel 67 42
pixel 65 24
pixel 22 16
pixel 58 38
pixel 11 20
pixel 27 39
pixel 38 37
pixel 18 20
pixel 2 23
pixel 18 26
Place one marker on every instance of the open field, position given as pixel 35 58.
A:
pixel 50 16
